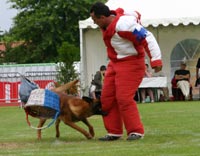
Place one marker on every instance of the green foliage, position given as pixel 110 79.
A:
pixel 6 40
pixel 67 54
pixel 1 35
pixel 43 25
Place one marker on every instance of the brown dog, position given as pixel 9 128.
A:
pixel 74 109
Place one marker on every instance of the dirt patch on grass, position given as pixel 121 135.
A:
pixel 9 145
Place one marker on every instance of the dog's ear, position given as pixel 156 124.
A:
pixel 87 99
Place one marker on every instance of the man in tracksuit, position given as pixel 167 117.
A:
pixel 126 41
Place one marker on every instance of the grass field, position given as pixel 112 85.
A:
pixel 171 129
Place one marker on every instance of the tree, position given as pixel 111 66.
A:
pixel 43 25
pixel 1 35
pixel 67 56
pixel 6 41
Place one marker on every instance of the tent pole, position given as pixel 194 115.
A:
pixel 157 34
pixel 82 64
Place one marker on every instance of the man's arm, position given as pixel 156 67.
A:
pixel 97 79
pixel 197 68
pixel 180 76
pixel 197 73
pixel 142 39
pixel 153 50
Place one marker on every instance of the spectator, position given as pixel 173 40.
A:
pixel 175 91
pixel 92 91
pixel 97 83
pixel 165 90
pixel 198 73
pixel 181 80
pixel 147 90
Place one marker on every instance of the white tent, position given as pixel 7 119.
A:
pixel 173 22
pixel 156 12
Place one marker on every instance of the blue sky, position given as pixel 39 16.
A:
pixel 6 15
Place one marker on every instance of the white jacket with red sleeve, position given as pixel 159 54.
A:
pixel 125 37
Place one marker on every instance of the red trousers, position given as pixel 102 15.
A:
pixel 121 82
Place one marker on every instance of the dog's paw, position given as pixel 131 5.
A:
pixel 57 135
pixel 89 136
pixel 91 130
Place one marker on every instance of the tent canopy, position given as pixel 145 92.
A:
pixel 177 25
pixel 162 12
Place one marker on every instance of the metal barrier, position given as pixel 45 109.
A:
pixel 10 83
pixel 44 79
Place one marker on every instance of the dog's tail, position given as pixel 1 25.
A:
pixel 66 86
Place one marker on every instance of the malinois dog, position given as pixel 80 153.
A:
pixel 74 109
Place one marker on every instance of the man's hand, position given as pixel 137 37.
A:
pixel 157 68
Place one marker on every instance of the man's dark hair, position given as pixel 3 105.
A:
pixel 100 9
pixel 102 68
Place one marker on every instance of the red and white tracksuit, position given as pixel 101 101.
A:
pixel 126 41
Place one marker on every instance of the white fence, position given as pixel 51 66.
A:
pixel 10 78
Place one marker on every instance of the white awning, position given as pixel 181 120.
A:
pixel 156 12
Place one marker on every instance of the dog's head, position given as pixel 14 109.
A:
pixel 95 106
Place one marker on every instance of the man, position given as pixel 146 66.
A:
pixel 125 40
pixel 182 77
pixel 165 90
pixel 197 83
pixel 97 83
pixel 143 91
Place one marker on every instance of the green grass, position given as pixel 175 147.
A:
pixel 171 129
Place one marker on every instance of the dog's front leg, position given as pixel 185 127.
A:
pixel 91 129
pixel 57 128
pixel 39 131
pixel 84 132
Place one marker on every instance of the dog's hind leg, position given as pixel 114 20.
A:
pixel 81 130
pixel 91 129
pixel 39 131
pixel 57 128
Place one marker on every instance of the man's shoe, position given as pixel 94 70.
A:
pixel 109 138
pixel 134 136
